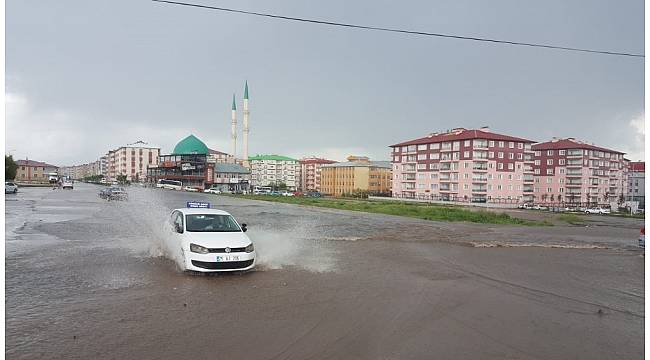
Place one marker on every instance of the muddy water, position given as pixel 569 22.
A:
pixel 86 278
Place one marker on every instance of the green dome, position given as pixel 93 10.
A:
pixel 190 145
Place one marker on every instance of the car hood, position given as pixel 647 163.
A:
pixel 218 239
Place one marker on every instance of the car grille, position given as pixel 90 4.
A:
pixel 226 265
pixel 223 250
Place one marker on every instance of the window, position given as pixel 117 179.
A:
pixel 434 156
pixel 434 186
pixel 466 154
pixel 422 156
pixel 466 186
pixel 520 156
pixel 549 180
pixel 537 180
pixel 435 146
pixel 500 155
pixel 422 147
pixel 549 190
pixel 560 161
pixel 538 153
pixel 549 171
pixel 465 176
pixel 561 190
pixel 511 145
pixel 520 145
pixel 537 162
pixel 561 170
pixel 491 154
pixel 500 166
pixel 562 152
pixel 510 177
pixel 501 144
pixel 536 171
pixel 511 156
pixel 491 143
pixel 466 164
pixel 549 161
pixel 422 166
pixel 498 187
pixel 468 143
pixel 434 176
pixel 561 181
pixel 549 152
pixel 511 166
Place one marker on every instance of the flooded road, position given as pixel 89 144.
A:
pixel 91 279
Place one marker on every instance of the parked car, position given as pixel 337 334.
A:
pixel 275 193
pixel 10 187
pixel 297 193
pixel 67 184
pixel 597 210
pixel 212 191
pixel 313 194
pixel 190 189
pixel 287 193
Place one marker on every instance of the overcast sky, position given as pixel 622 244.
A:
pixel 83 77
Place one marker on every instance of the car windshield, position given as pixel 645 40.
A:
pixel 211 223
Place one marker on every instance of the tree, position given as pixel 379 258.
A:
pixel 10 167
pixel 122 179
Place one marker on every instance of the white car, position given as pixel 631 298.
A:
pixel 597 210
pixel 211 240
pixel 190 189
pixel 67 184
pixel 10 187
pixel 212 191
pixel 287 193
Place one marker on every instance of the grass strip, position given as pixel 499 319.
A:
pixel 414 210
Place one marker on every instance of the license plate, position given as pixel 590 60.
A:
pixel 228 258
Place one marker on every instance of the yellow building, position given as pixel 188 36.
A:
pixel 30 171
pixel 356 175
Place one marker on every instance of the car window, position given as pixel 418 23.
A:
pixel 211 223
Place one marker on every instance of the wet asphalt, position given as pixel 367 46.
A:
pixel 91 279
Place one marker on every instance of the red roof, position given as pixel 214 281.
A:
pixel 316 161
pixel 462 134
pixel 33 163
pixel 570 143
pixel 216 152
pixel 637 166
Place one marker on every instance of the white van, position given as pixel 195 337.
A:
pixel 169 184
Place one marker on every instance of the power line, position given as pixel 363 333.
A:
pixel 322 22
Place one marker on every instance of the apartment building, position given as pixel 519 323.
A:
pixel 30 171
pixel 132 160
pixel 273 170
pixel 357 174
pixel 636 183
pixel 573 171
pixel 310 173
pixel 231 177
pixel 473 165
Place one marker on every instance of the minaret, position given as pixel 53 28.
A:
pixel 233 129
pixel 245 133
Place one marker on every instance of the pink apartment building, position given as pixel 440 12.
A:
pixel 571 171
pixel 464 165
pixel 310 173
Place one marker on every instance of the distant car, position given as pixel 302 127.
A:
pixel 275 193
pixel 313 194
pixel 117 193
pixel 67 184
pixel 115 183
pixel 297 193
pixel 287 193
pixel 525 206
pixel 212 191
pixel 103 193
pixel 597 210
pixel 642 238
pixel 190 189
pixel 10 187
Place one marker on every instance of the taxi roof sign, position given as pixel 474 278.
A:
pixel 198 205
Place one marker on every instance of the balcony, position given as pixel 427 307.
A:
pixel 480 167
pixel 479 179
pixel 409 178
pixel 528 189
pixel 574 174
pixel 573 192
pixel 573 164
pixel 529 178
pixel 481 189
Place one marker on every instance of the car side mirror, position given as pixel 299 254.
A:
pixel 243 227
pixel 179 229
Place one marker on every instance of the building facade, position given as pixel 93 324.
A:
pixel 471 165
pixel 572 171
pixel 310 173
pixel 30 171
pixel 231 177
pixel 274 170
pixel 218 157
pixel 358 174
pixel 636 183
pixel 188 163
pixel 132 160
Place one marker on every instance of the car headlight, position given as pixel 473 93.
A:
pixel 249 248
pixel 198 249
